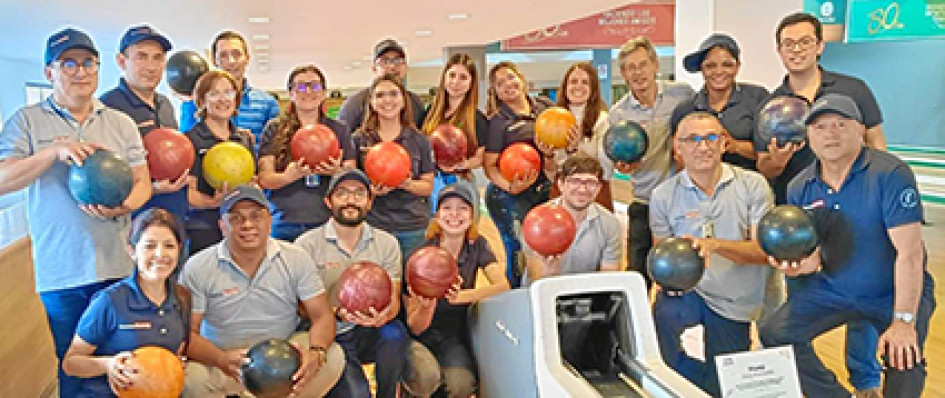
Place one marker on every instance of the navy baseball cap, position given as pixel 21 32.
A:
pixel 241 193
pixel 349 174
pixel 834 103
pixel 693 61
pixel 65 40
pixel 141 33
pixel 388 45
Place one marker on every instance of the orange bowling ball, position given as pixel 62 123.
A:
pixel 387 164
pixel 160 374
pixel 228 162
pixel 553 125
pixel 518 159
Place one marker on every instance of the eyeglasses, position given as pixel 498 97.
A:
pixel 587 183
pixel 219 95
pixel 804 43
pixel 390 61
pixel 70 67
pixel 308 87
pixel 348 194
pixel 696 139
pixel 712 65
pixel 255 217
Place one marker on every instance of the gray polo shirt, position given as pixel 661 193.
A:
pixel 239 311
pixel 678 207
pixel 657 163
pixel 71 248
pixel 331 260
pixel 597 240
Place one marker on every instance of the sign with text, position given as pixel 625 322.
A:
pixel 765 373
pixel 873 20
pixel 608 29
pixel 829 12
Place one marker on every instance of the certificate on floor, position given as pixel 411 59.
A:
pixel 765 373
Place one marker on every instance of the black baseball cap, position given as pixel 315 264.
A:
pixel 388 45
pixel 693 61
pixel 141 33
pixel 348 174
pixel 834 103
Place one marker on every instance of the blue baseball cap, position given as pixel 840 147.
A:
pixel 141 33
pixel 65 40
pixel 834 103
pixel 693 61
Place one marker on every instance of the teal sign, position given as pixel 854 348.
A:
pixel 829 12
pixel 874 20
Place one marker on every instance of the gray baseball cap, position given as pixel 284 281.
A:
pixel 349 174
pixel 243 192
pixel 834 103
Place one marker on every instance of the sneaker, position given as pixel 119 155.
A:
pixel 870 393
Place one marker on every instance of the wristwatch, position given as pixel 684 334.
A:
pixel 904 317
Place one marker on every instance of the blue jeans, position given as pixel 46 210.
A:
pixel 505 209
pixel 409 241
pixel 386 346
pixel 818 307
pixel 63 310
pixel 288 231
pixel 673 314
pixel 440 181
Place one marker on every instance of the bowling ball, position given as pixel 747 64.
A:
pixel 183 70
pixel 449 145
pixel 364 285
pixel 268 374
pixel 517 159
pixel 431 270
pixel 625 141
pixel 548 229
pixel 787 233
pixel 170 153
pixel 228 162
pixel 102 179
pixel 675 265
pixel 387 164
pixel 783 119
pixel 160 374
pixel 553 125
pixel 316 143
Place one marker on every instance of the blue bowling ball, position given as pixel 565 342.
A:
pixel 787 233
pixel 102 179
pixel 625 141
pixel 782 118
pixel 675 265
pixel 270 368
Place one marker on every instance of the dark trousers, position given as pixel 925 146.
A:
pixel 63 310
pixel 639 239
pixel 818 307
pixel 505 209
pixel 673 314
pixel 386 346
pixel 457 364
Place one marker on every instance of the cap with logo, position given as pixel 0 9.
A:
pixel 137 34
pixel 65 40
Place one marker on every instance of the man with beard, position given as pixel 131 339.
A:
pixel 345 240
pixel 247 289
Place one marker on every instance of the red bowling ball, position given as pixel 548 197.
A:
pixel 518 159
pixel 548 229
pixel 431 270
pixel 387 164
pixel 449 145
pixel 170 153
pixel 316 144
pixel 364 285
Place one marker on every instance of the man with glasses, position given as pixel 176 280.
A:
pixel 871 264
pixel 345 240
pixel 650 102
pixel 799 38
pixel 142 54
pixel 230 53
pixel 389 59
pixel 77 250
pixel 247 289
pixel 718 206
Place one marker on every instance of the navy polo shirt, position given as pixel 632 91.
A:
pixel 352 110
pixel 400 210
pixel 830 83
pixel 302 201
pixel 149 118
pixel 121 318
pixel 737 116
pixel 448 318
pixel 506 128
pixel 879 193
pixel 203 140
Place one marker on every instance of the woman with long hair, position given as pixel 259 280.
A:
pixel 296 191
pixel 580 94
pixel 403 211
pixel 217 100
pixel 440 324
pixel 512 116
pixel 147 308
pixel 456 103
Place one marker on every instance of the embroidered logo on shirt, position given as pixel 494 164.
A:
pixel 327 266
pixel 139 325
pixel 146 123
pixel 909 198
pixel 231 291
pixel 815 204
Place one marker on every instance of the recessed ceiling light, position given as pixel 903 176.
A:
pixel 458 16
pixel 346 67
pixel 368 57
pixel 262 37
pixel 258 19
pixel 355 63
pixel 259 47
pixel 424 32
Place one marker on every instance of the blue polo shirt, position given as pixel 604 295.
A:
pixel 879 193
pixel 257 107
pixel 149 118
pixel 121 318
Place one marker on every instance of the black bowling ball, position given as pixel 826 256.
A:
pixel 675 265
pixel 271 366
pixel 787 233
pixel 183 70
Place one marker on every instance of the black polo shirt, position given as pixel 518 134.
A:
pixel 302 201
pixel 203 140
pixel 400 210
pixel 450 319
pixel 482 126
pixel 830 83
pixel 737 116
pixel 352 110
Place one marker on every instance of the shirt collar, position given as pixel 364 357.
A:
pixel 701 100
pixel 203 131
pixel 367 233
pixel 827 79
pixel 51 106
pixel 133 99
pixel 860 164
pixel 592 211
pixel 727 175
pixel 272 251
pixel 635 103
pixel 138 301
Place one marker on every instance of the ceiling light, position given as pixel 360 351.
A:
pixel 346 67
pixel 262 37
pixel 258 19
pixel 355 63
pixel 424 32
pixel 368 57
pixel 458 16
pixel 260 47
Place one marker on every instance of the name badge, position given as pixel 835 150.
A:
pixel 311 180
pixel 139 325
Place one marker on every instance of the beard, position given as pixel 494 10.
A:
pixel 339 215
